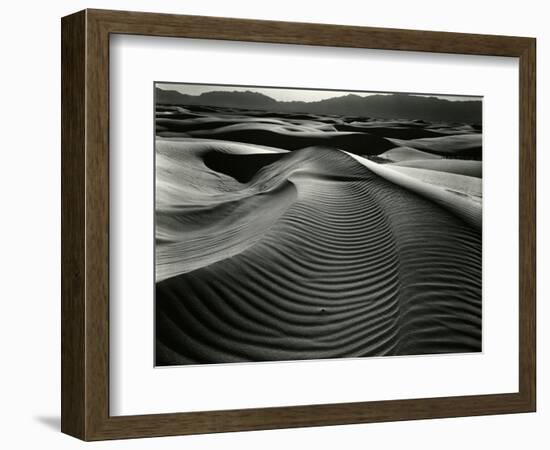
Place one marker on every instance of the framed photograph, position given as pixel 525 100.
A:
pixel 271 225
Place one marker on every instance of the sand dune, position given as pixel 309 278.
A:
pixel 316 256
pixel 400 132
pixel 288 236
pixel 291 137
pixel 400 154
pixel 461 144
pixel 457 166
pixel 457 129
pixel 463 184
pixel 205 123
pixel 458 193
pixel 193 202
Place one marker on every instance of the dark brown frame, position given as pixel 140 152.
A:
pixel 85 224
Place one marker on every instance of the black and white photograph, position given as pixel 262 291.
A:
pixel 305 224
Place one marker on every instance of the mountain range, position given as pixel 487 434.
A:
pixel 387 106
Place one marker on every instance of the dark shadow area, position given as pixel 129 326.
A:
pixel 358 143
pixel 241 167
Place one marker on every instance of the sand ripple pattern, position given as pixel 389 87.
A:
pixel 323 259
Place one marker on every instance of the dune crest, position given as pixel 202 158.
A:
pixel 458 193
pixel 456 166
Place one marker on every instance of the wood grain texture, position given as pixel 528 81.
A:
pixel 151 24
pixel 73 111
pixel 527 224
pixel 97 225
pixel 85 224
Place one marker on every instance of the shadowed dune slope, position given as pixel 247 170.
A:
pixel 314 256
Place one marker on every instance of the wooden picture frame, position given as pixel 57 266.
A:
pixel 85 224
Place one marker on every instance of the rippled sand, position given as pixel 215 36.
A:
pixel 279 238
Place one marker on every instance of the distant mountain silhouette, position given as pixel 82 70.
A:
pixel 392 106
pixel 235 99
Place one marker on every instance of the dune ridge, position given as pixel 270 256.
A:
pixel 456 166
pixel 458 193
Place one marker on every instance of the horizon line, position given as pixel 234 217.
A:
pixel 308 95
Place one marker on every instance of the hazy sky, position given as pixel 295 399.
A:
pixel 280 94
